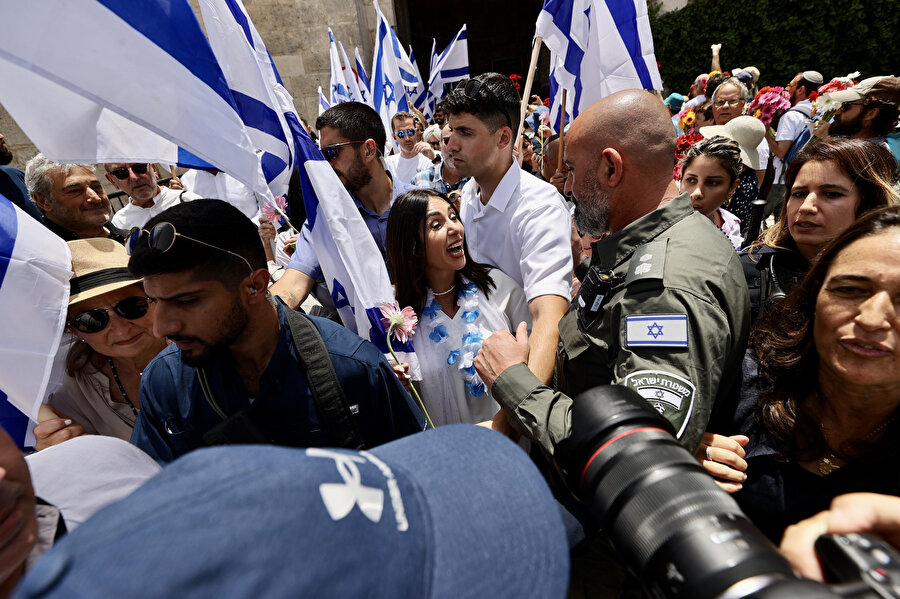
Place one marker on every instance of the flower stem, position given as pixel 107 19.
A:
pixel 411 386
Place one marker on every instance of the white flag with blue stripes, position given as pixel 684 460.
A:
pixel 338 91
pixel 106 113
pixel 452 65
pixel 388 89
pixel 364 88
pixel 323 101
pixel 597 48
pixel 420 90
pixel 352 84
pixel 255 86
pixel 35 268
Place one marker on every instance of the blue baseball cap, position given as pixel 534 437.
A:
pixel 459 511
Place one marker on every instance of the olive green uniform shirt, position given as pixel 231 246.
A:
pixel 673 326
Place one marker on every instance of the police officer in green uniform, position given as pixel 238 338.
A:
pixel 664 306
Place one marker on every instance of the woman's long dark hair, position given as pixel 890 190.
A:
pixel 788 358
pixel 406 250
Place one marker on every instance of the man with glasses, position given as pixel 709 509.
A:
pixel 146 197
pixel 242 368
pixel 790 129
pixel 513 220
pixel 415 155
pixel 442 177
pixel 869 110
pixel 351 137
pixel 70 199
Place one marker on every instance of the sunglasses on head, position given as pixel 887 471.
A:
pixel 121 173
pixel 402 134
pixel 331 152
pixel 162 237
pixel 94 321
pixel 473 86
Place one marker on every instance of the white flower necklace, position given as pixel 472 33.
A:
pixel 460 352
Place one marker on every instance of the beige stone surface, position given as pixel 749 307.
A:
pixel 296 35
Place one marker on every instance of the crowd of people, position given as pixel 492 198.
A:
pixel 751 299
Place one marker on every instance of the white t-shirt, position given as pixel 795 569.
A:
pixel 222 187
pixel 132 215
pixel 525 230
pixel 406 169
pixel 789 127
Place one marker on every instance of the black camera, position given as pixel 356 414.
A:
pixel 675 527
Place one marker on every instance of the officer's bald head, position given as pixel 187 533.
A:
pixel 635 123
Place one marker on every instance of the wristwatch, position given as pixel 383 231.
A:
pixel 436 159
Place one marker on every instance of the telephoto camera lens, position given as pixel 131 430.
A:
pixel 674 526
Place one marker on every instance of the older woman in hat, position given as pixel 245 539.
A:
pixel 111 319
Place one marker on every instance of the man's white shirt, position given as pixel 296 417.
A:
pixel 789 127
pixel 524 230
pixel 406 169
pixel 132 215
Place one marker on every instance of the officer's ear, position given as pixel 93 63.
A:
pixel 611 167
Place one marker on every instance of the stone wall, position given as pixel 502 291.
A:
pixel 296 35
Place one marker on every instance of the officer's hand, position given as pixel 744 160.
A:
pixel 500 351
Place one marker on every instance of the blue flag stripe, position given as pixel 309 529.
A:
pixel 169 29
pixel 258 115
pixel 9 228
pixel 448 73
pixel 625 17
pixel 241 20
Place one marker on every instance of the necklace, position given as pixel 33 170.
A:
pixel 829 463
pixel 436 294
pixel 115 374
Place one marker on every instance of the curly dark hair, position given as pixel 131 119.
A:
pixel 406 251
pixel 787 354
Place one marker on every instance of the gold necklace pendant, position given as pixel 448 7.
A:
pixel 828 464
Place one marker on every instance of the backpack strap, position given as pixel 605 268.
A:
pixel 326 390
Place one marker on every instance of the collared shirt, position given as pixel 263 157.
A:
pixel 132 215
pixel 789 128
pixel 175 414
pixel 433 178
pixel 524 230
pixel 305 259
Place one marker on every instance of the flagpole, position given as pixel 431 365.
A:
pixel 526 94
pixel 562 139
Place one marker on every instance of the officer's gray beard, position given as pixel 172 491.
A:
pixel 592 213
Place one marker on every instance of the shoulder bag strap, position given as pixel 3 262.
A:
pixel 323 382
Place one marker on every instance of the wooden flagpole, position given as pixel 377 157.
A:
pixel 562 138
pixel 526 94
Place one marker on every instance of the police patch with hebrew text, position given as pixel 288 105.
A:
pixel 670 394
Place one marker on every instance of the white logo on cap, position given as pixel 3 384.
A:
pixel 339 498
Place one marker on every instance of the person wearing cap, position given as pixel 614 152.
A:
pixel 674 102
pixel 243 368
pixel 112 321
pixel 869 110
pixel 146 197
pixel 790 127
pixel 748 132
pixel 70 199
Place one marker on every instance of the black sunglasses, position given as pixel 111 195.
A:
pixel 121 173
pixel 162 238
pixel 94 321
pixel 846 105
pixel 402 134
pixel 446 140
pixel 473 86
pixel 331 152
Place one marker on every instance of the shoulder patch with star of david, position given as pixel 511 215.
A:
pixel 669 394
pixel 656 330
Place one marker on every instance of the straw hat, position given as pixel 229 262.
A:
pixel 100 266
pixel 747 131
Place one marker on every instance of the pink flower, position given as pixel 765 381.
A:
pixel 403 321
pixel 269 211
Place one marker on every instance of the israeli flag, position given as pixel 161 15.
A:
pixel 323 102
pixel 255 85
pixel 420 90
pixel 452 65
pixel 388 91
pixel 596 49
pixel 350 260
pixel 338 92
pixel 350 76
pixel 98 113
pixel 364 88
pixel 35 268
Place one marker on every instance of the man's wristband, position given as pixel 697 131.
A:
pixel 436 160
